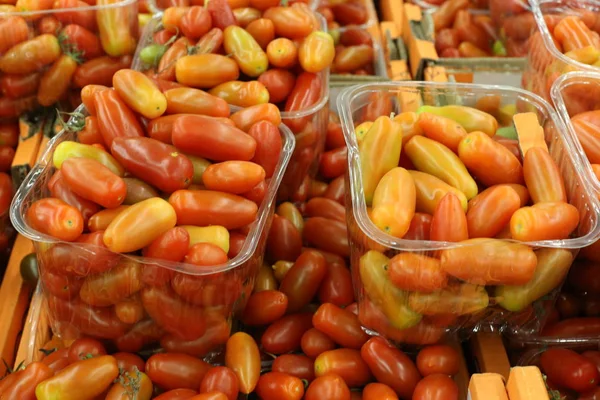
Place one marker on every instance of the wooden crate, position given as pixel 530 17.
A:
pixel 15 294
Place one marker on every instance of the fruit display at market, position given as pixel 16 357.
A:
pixel 370 369
pixel 566 40
pixel 461 33
pixel 279 57
pixel 422 181
pixel 155 232
pixel 50 50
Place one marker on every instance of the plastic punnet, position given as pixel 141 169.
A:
pixel 389 313
pixel 215 293
pixel 47 56
pixel 545 61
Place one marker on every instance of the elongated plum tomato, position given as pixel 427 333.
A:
pixel 204 207
pixel 55 218
pixel 233 176
pixel 243 357
pixel 139 225
pixel 210 138
pixel 154 161
pixel 316 52
pixel 205 71
pixel 93 181
pixel 140 93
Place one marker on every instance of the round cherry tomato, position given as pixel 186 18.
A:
pixel 128 362
pixel 315 342
pixel 436 387
pixel 378 391
pixel 55 218
pixel 278 385
pixel 328 387
pixel 279 82
pixel 206 254
pixel 439 359
pixel 172 245
pixel 221 379
pixel 84 348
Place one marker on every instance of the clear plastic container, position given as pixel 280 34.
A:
pixel 65 50
pixel 309 125
pixel 529 352
pixel 189 317
pixel 545 62
pixel 365 236
pixel 515 23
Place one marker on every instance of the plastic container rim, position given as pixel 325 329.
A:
pixel 120 4
pixel 359 208
pixel 561 83
pixel 156 22
pixel 536 9
pixel 250 244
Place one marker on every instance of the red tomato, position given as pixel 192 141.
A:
pixel 128 361
pixel 13 30
pixel 221 379
pixel 391 366
pixel 115 119
pixel 296 365
pixel 328 387
pixel 436 387
pixel 221 14
pixel 55 218
pixel 268 146
pixel 327 234
pixel 284 241
pixel 279 386
pixel 306 93
pixel 195 22
pixel 175 371
pixel 284 335
pixel 569 370
pixel 61 286
pixel 93 181
pixel 336 190
pixel 85 17
pixel 279 83
pixel 347 363
pixel 204 208
pixel 235 177
pixel 82 41
pixel 84 348
pixel 207 137
pixel 340 325
pixel 99 71
pixel 265 307
pixel 177 394
pixel 438 359
pixel 350 13
pixel 205 254
pixel 172 245
pixel 336 286
pixel 315 342
pixel 302 281
pixel 16 86
pixel 378 391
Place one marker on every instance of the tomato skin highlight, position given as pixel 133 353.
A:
pixel 347 363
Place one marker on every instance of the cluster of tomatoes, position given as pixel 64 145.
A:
pixel 49 55
pixel 347 23
pixel 9 139
pixel 576 34
pixel 461 33
pixel 278 55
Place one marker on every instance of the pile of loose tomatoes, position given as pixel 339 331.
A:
pixel 50 49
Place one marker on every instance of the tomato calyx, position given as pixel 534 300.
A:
pixel 131 381
pixel 70 49
pixel 47 352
